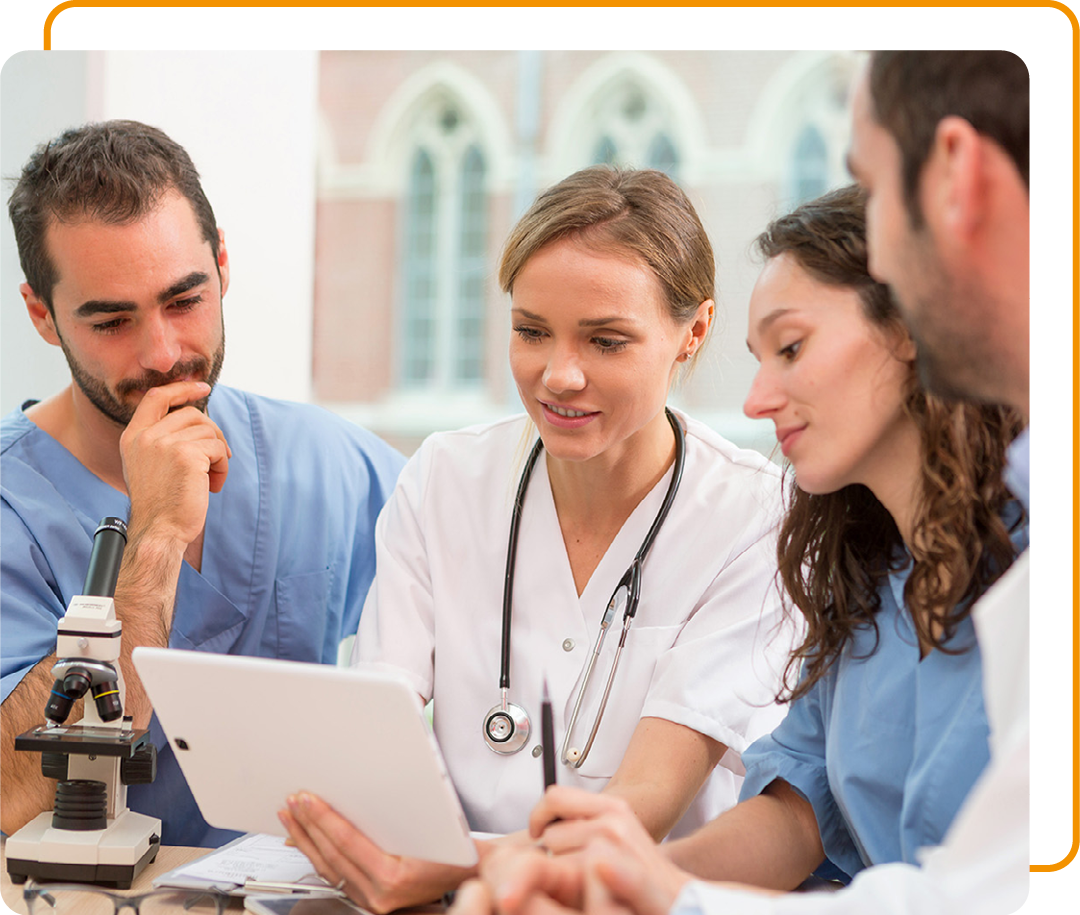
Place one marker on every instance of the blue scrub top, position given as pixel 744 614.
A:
pixel 288 553
pixel 885 746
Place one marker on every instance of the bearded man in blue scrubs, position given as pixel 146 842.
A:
pixel 250 521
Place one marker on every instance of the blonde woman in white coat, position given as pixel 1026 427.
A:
pixel 611 280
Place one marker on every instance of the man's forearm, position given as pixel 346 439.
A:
pixel 26 792
pixel 145 596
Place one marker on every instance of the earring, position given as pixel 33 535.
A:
pixel 684 357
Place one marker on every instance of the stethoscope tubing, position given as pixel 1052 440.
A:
pixel 511 561
pixel 631 580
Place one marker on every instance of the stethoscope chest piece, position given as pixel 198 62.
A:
pixel 506 728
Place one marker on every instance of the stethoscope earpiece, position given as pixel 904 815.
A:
pixel 506 729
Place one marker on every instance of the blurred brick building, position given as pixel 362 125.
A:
pixel 426 159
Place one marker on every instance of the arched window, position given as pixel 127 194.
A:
pixel 632 128
pixel 419 270
pixel 662 155
pixel 606 153
pixel 471 266
pixel 809 165
pixel 444 252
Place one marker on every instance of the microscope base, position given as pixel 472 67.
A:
pixel 112 856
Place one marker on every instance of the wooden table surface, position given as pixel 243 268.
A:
pixel 168 857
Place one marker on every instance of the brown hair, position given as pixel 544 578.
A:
pixel 114 172
pixel 912 91
pixel 642 213
pixel 836 549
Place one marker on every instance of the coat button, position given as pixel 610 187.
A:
pixel 568 645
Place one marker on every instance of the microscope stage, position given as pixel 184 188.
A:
pixel 83 740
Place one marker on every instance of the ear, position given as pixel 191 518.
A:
pixel 699 327
pixel 40 315
pixel 223 262
pixel 904 347
pixel 954 181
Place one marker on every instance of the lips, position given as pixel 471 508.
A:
pixel 566 417
pixel 788 436
pixel 566 411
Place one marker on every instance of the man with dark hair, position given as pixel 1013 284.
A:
pixel 940 145
pixel 250 521
pixel 960 122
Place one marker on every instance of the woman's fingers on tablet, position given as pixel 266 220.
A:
pixel 337 849
pixel 379 881
pixel 298 836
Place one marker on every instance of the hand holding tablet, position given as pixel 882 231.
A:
pixel 250 732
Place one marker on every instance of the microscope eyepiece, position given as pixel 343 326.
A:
pixel 110 538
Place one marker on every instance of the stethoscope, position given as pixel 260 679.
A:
pixel 507 725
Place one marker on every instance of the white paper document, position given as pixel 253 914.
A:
pixel 250 864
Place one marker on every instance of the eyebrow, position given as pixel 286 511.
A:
pixel 765 323
pixel 107 306
pixel 584 322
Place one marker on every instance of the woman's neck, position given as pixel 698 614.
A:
pixel 594 498
pixel 896 479
pixel 613 483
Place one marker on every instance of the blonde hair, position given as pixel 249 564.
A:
pixel 640 213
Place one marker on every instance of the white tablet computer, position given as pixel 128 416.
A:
pixel 248 732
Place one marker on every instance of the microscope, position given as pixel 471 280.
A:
pixel 90 835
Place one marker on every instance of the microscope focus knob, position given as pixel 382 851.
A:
pixel 141 768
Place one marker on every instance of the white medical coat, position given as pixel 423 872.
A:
pixel 705 650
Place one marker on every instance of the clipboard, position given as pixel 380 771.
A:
pixel 248 732
pixel 250 864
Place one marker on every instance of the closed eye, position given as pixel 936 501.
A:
pixel 610 344
pixel 186 304
pixel 108 327
pixel 529 334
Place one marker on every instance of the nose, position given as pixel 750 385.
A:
pixel 564 372
pixel 765 396
pixel 159 347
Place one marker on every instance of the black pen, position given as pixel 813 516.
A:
pixel 547 737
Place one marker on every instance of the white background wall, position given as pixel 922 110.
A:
pixel 248 121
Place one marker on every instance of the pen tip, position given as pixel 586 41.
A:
pixel 544 696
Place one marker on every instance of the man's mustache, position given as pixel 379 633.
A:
pixel 196 368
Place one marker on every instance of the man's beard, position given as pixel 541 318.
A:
pixel 958 362
pixel 953 354
pixel 111 405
